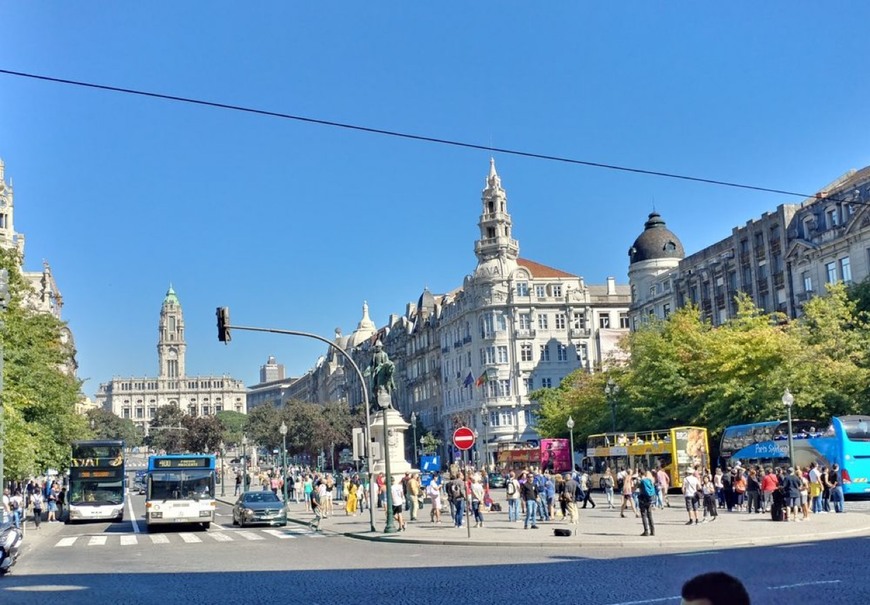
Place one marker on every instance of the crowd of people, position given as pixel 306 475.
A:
pixel 36 498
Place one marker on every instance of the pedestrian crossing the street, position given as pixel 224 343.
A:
pixel 188 537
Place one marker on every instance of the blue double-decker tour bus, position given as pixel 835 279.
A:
pixel 179 488
pixel 844 441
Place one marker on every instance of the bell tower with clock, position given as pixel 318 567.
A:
pixel 170 344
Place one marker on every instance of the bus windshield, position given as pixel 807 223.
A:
pixel 181 485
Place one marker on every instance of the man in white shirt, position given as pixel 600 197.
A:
pixel 691 491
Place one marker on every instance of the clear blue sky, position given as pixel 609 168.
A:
pixel 294 225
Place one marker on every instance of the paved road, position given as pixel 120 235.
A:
pixel 112 563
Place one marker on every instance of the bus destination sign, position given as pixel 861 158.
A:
pixel 195 462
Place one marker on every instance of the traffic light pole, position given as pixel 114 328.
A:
pixel 224 327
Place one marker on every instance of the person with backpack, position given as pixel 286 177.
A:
pixel 37 501
pixel 645 497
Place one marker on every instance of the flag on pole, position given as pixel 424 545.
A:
pixel 482 380
pixel 469 380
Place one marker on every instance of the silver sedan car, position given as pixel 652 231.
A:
pixel 261 507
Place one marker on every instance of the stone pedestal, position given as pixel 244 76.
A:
pixel 396 427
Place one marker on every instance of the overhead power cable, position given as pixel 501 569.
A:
pixel 405 135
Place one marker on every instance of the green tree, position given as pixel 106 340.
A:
pixel 204 434
pixel 38 396
pixel 166 430
pixel 233 424
pixel 107 425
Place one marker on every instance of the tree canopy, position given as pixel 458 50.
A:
pixel 683 371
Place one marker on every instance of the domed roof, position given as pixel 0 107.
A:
pixel 364 329
pixel 656 241
pixel 426 301
pixel 171 297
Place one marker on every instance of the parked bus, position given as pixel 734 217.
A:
pixel 553 455
pixel 180 489
pixel 96 481
pixel 845 441
pixel 675 450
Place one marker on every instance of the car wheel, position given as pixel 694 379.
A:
pixel 206 525
pixel 282 524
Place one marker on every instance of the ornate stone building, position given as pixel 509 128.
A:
pixel 780 259
pixel 513 326
pixel 45 296
pixel 139 398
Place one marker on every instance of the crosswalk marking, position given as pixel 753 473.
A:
pixel 281 535
pixel 220 536
pixel 228 535
pixel 189 538
pixel 66 542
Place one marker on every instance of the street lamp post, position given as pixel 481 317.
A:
pixel 570 425
pixel 787 401
pixel 610 391
pixel 484 418
pixel 384 403
pixel 244 463
pixel 414 425
pixel 283 430
pixel 223 475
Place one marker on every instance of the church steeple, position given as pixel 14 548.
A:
pixel 170 344
pixel 495 222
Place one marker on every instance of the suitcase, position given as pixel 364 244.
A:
pixel 561 532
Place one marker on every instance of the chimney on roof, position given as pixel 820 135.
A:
pixel 611 286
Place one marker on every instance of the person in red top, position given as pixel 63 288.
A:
pixel 769 483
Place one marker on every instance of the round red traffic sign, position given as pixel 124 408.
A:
pixel 463 438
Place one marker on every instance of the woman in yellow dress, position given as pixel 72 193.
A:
pixel 350 505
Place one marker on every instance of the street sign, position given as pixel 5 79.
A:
pixel 463 438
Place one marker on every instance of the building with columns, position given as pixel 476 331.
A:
pixel 138 398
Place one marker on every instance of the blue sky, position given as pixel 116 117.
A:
pixel 294 225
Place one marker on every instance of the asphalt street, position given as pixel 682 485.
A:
pixel 112 563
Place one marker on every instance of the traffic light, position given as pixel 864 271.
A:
pixel 223 324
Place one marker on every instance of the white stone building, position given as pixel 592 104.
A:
pixel 138 398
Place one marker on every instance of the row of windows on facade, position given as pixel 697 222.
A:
pixel 498 355
pixel 493 389
pixel 154 385
pixel 491 324
pixel 541 290
pixel 191 410
pixel 193 401
pixel 831 273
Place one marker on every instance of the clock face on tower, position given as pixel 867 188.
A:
pixel 172 354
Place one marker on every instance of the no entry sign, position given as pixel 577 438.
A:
pixel 463 438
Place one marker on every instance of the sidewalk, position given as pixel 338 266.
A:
pixel 597 527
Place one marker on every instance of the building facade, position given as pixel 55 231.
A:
pixel 471 357
pixel 138 398
pixel 779 260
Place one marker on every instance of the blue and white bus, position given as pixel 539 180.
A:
pixel 845 441
pixel 179 488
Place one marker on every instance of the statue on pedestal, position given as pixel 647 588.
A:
pixel 380 375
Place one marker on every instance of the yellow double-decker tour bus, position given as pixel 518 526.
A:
pixel 675 450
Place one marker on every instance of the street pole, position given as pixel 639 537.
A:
pixel 788 400
pixel 570 424
pixel 484 415
pixel 244 463
pixel 414 425
pixel 223 474
pixel 610 391
pixel 362 382
pixel 390 527
pixel 283 430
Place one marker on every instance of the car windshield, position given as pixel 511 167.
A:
pixel 261 497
